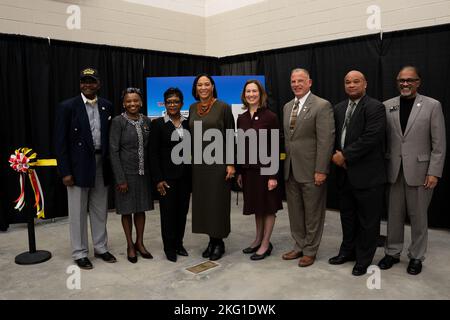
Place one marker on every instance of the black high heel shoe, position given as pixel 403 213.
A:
pixel 217 252
pixel 132 259
pixel 208 250
pixel 145 255
pixel 251 249
pixel 181 251
pixel 256 256
pixel 171 256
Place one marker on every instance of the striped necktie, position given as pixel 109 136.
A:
pixel 294 115
pixel 348 116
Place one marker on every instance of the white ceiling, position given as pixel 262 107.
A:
pixel 203 8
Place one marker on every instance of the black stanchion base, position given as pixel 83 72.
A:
pixel 33 258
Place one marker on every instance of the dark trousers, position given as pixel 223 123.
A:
pixel 174 207
pixel 360 218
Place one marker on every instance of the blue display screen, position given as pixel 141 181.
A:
pixel 229 90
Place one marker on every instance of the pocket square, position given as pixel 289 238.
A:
pixel 393 108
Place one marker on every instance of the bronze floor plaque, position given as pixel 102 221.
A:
pixel 202 267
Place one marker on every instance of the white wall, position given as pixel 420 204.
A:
pixel 201 27
pixel 112 22
pixel 285 23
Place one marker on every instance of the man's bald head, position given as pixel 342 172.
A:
pixel 356 73
pixel 355 84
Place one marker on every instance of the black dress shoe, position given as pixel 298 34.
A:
pixel 414 266
pixel 208 250
pixel 256 256
pixel 181 251
pixel 107 257
pixel 144 254
pixel 340 259
pixel 84 263
pixel 387 262
pixel 359 270
pixel 251 249
pixel 217 252
pixel 171 256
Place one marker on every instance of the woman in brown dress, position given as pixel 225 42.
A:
pixel 211 186
pixel 261 195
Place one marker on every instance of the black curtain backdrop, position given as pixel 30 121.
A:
pixel 380 60
pixel 26 113
pixel 36 74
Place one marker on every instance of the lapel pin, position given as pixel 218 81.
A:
pixel 418 104
pixel 109 118
pixel 103 108
pixel 256 118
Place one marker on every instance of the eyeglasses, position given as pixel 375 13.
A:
pixel 172 102
pixel 408 81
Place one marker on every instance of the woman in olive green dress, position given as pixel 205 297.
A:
pixel 211 183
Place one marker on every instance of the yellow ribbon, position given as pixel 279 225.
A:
pixel 45 163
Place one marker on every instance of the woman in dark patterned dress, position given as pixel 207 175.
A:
pixel 129 135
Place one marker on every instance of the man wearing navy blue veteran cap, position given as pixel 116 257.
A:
pixel 89 73
pixel 81 144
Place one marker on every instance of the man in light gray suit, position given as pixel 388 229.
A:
pixel 415 160
pixel 308 123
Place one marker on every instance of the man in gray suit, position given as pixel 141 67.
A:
pixel 308 123
pixel 415 159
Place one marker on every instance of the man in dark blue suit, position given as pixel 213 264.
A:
pixel 360 145
pixel 81 137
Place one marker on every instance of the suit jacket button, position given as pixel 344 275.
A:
pixel 76 129
pixel 80 144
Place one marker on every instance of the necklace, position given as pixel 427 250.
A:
pixel 204 109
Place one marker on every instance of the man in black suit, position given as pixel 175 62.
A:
pixel 81 145
pixel 360 144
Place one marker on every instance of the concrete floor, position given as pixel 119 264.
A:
pixel 237 277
